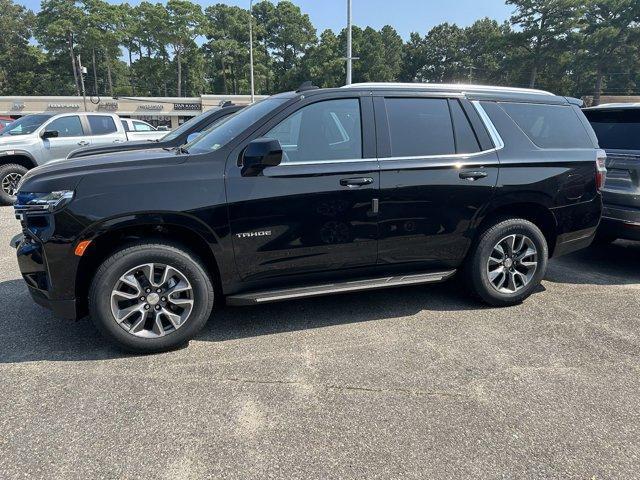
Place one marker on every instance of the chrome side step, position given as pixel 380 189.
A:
pixel 254 298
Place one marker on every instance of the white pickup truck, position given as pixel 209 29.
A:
pixel 40 138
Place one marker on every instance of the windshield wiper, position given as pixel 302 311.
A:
pixel 182 150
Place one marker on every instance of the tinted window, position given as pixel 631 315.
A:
pixel 549 126
pixel 142 127
pixel 329 130
pixel 125 125
pixel 67 126
pixel 101 125
pixel 616 129
pixel 466 141
pixel 420 127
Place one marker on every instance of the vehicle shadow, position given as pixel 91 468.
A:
pixel 29 333
pixel 615 264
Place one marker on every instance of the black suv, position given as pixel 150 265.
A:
pixel 309 193
pixel 185 133
pixel 617 127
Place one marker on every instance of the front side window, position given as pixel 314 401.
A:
pixel 66 126
pixel 101 125
pixel 328 130
pixel 420 127
pixel 549 126
pixel 142 127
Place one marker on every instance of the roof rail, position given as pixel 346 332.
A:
pixel 450 86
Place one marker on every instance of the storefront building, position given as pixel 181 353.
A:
pixel 158 111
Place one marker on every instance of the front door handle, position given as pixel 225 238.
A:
pixel 83 143
pixel 473 175
pixel 356 182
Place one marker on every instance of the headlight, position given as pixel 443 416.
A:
pixel 42 202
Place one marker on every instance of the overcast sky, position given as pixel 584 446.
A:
pixel 406 16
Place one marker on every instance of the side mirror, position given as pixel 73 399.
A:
pixel 260 154
pixel 49 134
pixel 192 136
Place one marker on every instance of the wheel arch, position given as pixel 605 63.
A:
pixel 19 158
pixel 535 211
pixel 114 234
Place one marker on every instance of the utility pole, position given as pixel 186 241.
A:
pixel 253 93
pixel 82 72
pixel 349 41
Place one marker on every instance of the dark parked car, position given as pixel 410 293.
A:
pixel 617 127
pixel 183 134
pixel 314 192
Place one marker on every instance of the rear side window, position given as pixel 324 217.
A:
pixel 142 127
pixel 101 125
pixel 420 127
pixel 125 125
pixel 549 126
pixel 466 140
pixel 616 129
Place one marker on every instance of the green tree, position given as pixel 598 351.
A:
pixel 544 27
pixel 323 64
pixel 185 21
pixel 58 26
pixel 608 29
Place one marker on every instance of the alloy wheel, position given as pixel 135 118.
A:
pixel 10 183
pixel 512 263
pixel 152 300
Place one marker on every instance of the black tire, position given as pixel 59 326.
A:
pixel 476 271
pixel 129 258
pixel 6 198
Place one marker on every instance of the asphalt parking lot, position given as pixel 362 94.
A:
pixel 416 382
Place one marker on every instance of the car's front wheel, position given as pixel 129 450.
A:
pixel 508 262
pixel 151 297
pixel 10 176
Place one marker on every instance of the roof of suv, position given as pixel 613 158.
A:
pixel 471 92
pixel 616 106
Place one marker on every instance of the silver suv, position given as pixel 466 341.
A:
pixel 40 138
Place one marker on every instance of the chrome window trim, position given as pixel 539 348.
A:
pixel 491 128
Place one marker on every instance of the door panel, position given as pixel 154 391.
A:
pixel 316 211
pixel 300 219
pixel 431 192
pixel 71 136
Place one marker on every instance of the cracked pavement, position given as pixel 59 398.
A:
pixel 416 382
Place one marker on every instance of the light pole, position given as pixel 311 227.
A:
pixel 251 50
pixel 349 58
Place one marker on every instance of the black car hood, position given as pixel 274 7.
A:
pixel 66 174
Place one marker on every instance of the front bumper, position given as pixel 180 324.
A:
pixel 33 266
pixel 621 222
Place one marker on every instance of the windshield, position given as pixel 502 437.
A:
pixel 218 135
pixel 25 125
pixel 616 129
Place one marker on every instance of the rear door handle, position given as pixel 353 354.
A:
pixel 356 182
pixel 83 143
pixel 473 175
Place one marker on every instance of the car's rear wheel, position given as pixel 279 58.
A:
pixel 151 297
pixel 10 176
pixel 508 262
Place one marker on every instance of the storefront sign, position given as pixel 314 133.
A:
pixel 150 106
pixel 64 105
pixel 108 106
pixel 187 106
